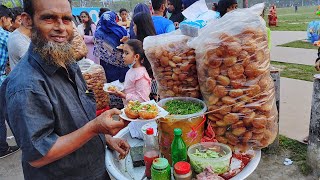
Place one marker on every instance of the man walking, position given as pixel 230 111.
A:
pixel 19 41
pixel 5 24
pixel 161 24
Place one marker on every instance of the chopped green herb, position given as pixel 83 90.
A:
pixel 182 107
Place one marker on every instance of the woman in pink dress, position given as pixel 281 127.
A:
pixel 86 30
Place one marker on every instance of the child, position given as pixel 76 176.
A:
pixel 137 83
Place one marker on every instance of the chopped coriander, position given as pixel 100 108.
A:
pixel 182 107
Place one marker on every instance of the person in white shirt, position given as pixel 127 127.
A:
pixel 18 42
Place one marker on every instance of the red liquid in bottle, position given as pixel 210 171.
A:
pixel 149 156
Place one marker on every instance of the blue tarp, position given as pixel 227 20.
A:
pixel 93 11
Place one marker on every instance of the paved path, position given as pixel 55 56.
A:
pixel 295 108
pixel 291 55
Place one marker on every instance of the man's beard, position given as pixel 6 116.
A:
pixel 53 53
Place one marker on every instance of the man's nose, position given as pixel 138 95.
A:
pixel 59 26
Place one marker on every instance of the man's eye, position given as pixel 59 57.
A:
pixel 48 18
pixel 66 21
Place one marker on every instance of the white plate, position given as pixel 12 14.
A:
pixel 161 113
pixel 117 84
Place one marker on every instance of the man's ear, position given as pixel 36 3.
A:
pixel 26 20
pixel 2 20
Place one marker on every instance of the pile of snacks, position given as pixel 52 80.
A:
pixel 173 64
pixel 233 67
pixel 95 77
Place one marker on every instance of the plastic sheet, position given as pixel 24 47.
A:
pixel 95 77
pixel 173 64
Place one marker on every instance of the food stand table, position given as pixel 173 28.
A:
pixel 124 170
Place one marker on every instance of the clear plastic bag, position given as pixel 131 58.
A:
pixel 79 48
pixel 233 63
pixel 95 77
pixel 173 64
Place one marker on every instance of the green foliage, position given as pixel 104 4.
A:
pixel 10 4
pixel 299 44
pixel 288 20
pixel 295 71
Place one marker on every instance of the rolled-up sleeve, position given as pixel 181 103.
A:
pixel 31 118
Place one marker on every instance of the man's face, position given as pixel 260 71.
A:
pixel 52 31
pixel 6 23
pixel 53 19
pixel 124 15
pixel 17 23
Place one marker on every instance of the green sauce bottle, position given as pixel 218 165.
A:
pixel 178 148
pixel 160 169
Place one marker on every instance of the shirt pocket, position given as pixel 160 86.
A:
pixel 90 104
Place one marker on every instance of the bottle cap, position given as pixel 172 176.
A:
pixel 150 131
pixel 177 131
pixel 160 163
pixel 182 168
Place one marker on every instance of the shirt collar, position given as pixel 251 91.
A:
pixel 50 69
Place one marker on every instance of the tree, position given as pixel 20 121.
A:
pixel 12 3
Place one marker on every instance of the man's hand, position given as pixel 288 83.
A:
pixel 105 124
pixel 119 145
pixel 317 65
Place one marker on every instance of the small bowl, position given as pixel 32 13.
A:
pixel 219 165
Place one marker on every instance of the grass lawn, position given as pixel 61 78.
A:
pixel 288 20
pixel 296 71
pixel 299 44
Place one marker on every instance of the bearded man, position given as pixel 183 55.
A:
pixel 49 108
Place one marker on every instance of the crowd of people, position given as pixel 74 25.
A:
pixel 45 99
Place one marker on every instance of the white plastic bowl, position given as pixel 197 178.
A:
pixel 219 165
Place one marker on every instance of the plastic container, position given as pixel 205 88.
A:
pixel 192 126
pixel 160 169
pixel 178 148
pixel 219 165
pixel 150 151
pixel 182 171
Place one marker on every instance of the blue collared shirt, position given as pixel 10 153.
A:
pixel 43 102
pixel 4 36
